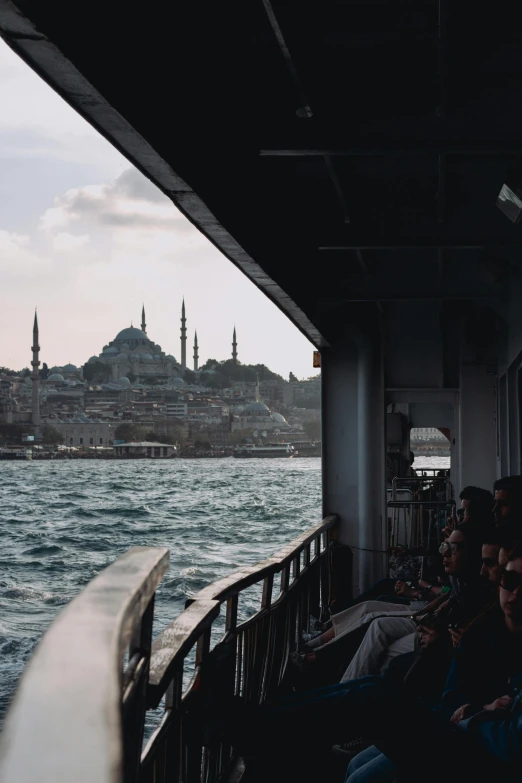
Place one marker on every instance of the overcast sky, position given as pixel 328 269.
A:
pixel 86 238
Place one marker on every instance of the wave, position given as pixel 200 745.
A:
pixel 45 549
pixel 75 519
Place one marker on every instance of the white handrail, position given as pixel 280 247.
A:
pixel 65 722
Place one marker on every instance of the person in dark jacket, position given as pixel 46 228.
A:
pixel 478 739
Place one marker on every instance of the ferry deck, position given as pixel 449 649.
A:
pixel 359 161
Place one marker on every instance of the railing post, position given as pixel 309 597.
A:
pixel 134 704
pixel 231 616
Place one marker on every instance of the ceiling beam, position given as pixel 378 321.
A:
pixel 304 110
pixel 441 147
pixel 412 243
pixel 338 189
pixel 329 303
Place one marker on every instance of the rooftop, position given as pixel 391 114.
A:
pixel 143 443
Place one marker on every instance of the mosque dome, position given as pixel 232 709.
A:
pixel 131 333
pixel 178 382
pixel 125 348
pixel 111 349
pixel 170 358
pixel 278 417
pixel 56 377
pixel 157 357
pixel 133 356
pixel 70 368
pixel 256 409
pixel 124 382
pixel 121 357
pixel 146 357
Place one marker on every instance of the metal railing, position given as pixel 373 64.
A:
pixel 419 508
pixel 250 661
pixel 79 711
pixel 81 707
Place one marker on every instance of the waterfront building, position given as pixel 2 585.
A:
pixel 80 431
pixel 176 409
pixel 145 448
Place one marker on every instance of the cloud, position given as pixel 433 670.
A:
pixel 18 259
pixel 64 241
pixel 129 201
pixel 130 212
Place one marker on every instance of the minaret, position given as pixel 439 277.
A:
pixel 35 376
pixel 196 355
pixel 258 396
pixel 143 324
pixel 234 347
pixel 183 336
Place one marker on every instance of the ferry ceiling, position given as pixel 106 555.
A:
pixel 347 156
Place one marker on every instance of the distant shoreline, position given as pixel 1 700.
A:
pixel 66 457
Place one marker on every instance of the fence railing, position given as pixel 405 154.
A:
pixel 249 661
pixel 78 714
pixel 418 510
pixel 81 707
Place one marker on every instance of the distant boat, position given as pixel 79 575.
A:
pixel 248 451
pixel 18 454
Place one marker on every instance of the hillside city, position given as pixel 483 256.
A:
pixel 134 391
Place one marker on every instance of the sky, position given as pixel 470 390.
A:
pixel 87 239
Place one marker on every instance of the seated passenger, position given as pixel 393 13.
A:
pixel 470 494
pixel 507 509
pixel 390 636
pixel 475 735
pixel 390 632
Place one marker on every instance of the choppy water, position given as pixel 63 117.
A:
pixel 62 523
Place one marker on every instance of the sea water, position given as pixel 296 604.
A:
pixel 61 523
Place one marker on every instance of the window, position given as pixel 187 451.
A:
pixel 91 440
pixel 81 441
pixel 70 441
pixel 101 441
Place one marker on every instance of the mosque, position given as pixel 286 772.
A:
pixel 133 353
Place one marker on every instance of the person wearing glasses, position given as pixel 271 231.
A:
pixel 392 635
pixel 474 733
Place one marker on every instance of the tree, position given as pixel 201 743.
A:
pixel 239 436
pixel 44 372
pixel 96 371
pixel 169 438
pixel 190 377
pixel 313 429
pixel 292 378
pixel 51 436
pixel 128 432
pixel 11 434
pixel 132 377
pixel 210 364
pixel 214 380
